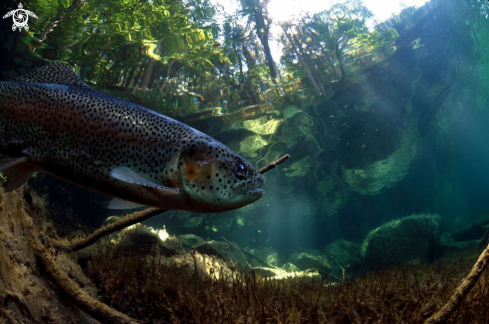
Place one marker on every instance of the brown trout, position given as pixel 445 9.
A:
pixel 51 121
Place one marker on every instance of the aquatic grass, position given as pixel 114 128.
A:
pixel 150 290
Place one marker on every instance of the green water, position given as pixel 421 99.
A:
pixel 395 124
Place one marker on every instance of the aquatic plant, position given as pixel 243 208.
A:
pixel 203 289
pixel 408 293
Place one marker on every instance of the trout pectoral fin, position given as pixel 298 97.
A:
pixel 117 203
pixel 16 171
pixel 126 174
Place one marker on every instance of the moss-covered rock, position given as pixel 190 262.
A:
pixel 143 240
pixel 343 256
pixel 406 239
pixel 307 261
pixel 193 222
pixel 262 125
pixel 264 255
pixel 226 251
pixel 447 243
pixel 385 173
pixel 280 274
pixel 189 241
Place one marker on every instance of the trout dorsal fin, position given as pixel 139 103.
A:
pixel 55 72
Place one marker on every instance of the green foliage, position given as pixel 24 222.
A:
pixel 173 57
pixel 258 16
pixel 331 45
pixel 130 43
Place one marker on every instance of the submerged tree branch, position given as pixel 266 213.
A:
pixel 462 290
pixel 123 222
pixel 82 299
pixel 274 164
pixel 131 219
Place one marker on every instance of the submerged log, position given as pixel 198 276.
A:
pixel 27 291
pixel 473 231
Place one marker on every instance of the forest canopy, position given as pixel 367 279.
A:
pixel 188 57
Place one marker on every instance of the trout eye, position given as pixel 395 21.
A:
pixel 241 170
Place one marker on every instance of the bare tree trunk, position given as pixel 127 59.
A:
pixel 167 76
pixel 295 46
pixel 129 77
pixel 249 58
pixel 263 31
pixel 340 61
pixel 148 71
pixel 328 58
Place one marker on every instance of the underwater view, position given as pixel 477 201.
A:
pixel 244 161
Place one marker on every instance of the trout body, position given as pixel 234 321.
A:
pixel 53 122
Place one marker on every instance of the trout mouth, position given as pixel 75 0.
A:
pixel 257 192
pixel 245 188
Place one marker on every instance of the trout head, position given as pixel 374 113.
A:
pixel 216 179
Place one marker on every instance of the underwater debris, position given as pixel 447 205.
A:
pixel 274 164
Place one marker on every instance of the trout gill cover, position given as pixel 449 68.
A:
pixel 51 121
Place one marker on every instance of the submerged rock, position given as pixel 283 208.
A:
pixel 264 256
pixel 447 243
pixel 281 274
pixel 385 173
pixel 262 125
pixel 473 231
pixel 190 241
pixel 193 222
pixel 202 264
pixel 290 111
pixel 226 251
pixel 343 256
pixel 407 239
pixel 307 261
pixel 140 239
pixel 298 169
